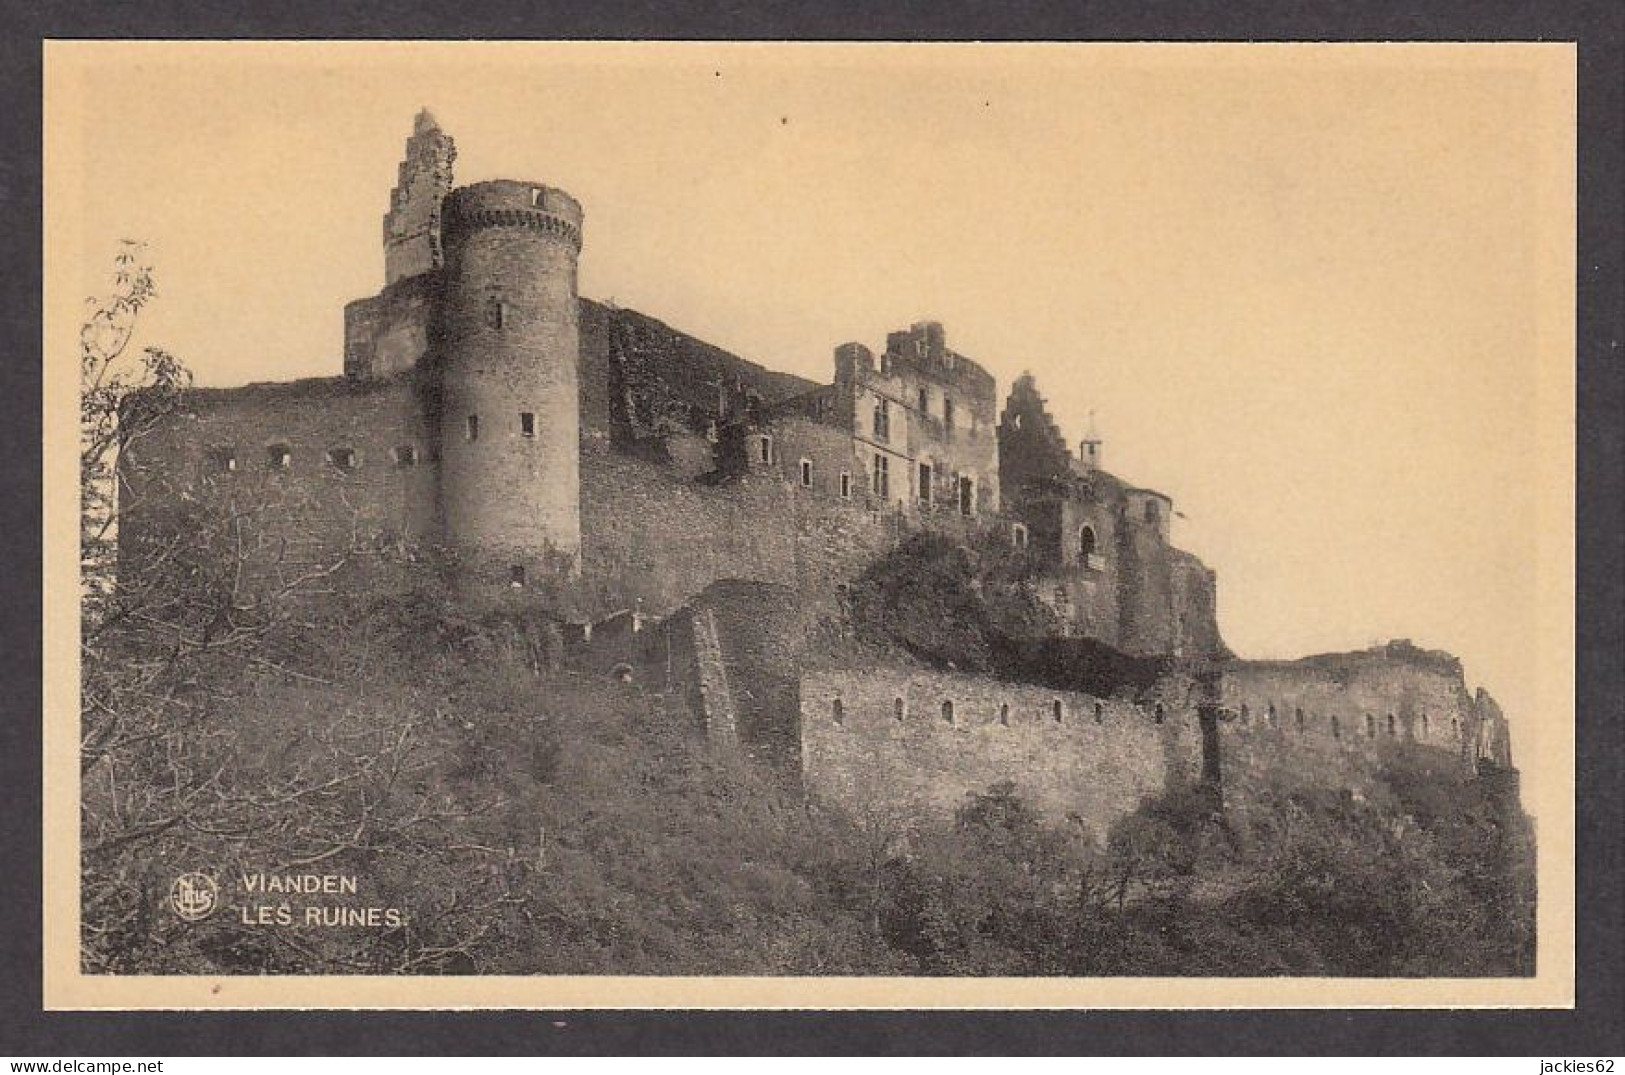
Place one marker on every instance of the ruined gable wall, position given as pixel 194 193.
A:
pixel 593 381
pixel 925 765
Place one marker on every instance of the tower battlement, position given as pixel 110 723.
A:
pixel 507 203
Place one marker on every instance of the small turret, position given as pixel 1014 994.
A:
pixel 1090 449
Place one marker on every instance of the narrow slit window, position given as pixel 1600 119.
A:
pixel 1297 716
pixel 1004 713
pixel 806 473
pixel 1161 714
pixel 947 413
pixel 516 576
pixel 948 711
pixel 967 496
pixel 1393 727
pixel 471 428
pixel 764 449
pixel 837 710
pixel 406 456
pixel 1057 710
pixel 1337 727
pixel 1100 712
pixel 342 458
pixel 1018 535
pixel 1370 726
pixel 846 486
pixel 898 709
pixel 925 402
pixel 278 457
pixel 527 424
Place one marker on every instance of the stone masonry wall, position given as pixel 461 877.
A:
pixel 388 333
pixel 1333 720
pixel 758 630
pixel 651 537
pixel 863 758
pixel 225 447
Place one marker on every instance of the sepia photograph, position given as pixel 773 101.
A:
pixel 822 525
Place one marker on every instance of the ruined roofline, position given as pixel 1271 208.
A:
pixel 1400 650
pixel 335 385
pixel 775 386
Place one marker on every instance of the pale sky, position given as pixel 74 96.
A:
pixel 1307 291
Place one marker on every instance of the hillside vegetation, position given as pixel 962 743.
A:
pixel 536 820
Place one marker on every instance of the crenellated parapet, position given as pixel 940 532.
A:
pixel 504 204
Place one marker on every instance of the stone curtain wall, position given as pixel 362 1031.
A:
pixel 866 760
pixel 861 757
pixel 311 510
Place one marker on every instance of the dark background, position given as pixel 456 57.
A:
pixel 1594 1028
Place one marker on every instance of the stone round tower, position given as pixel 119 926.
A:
pixel 509 411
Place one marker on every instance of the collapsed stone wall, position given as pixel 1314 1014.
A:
pixel 651 380
pixel 1334 720
pixel 957 735
pixel 387 333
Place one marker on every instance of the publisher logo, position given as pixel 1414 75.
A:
pixel 194 896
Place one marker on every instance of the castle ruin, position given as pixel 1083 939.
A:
pixel 590 459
